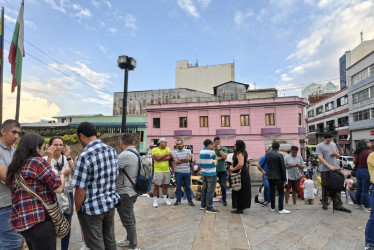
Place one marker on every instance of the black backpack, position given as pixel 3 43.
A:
pixel 335 181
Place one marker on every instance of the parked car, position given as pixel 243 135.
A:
pixel 347 162
pixel 196 182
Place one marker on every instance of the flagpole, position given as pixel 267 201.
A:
pixel 2 65
pixel 19 88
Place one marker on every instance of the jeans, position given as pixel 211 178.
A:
pixel 363 183
pixel 65 241
pixel 337 201
pixel 98 230
pixel 222 175
pixel 9 238
pixel 266 189
pixel 183 179
pixel 125 210
pixel 41 236
pixel 369 231
pixel 207 191
pixel 280 186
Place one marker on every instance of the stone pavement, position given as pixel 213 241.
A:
pixel 185 227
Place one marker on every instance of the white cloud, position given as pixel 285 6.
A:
pixel 112 30
pixel 14 20
pixel 204 3
pixel 82 12
pixel 189 7
pixel 286 78
pixel 102 48
pixel 241 16
pixel 277 10
pixel 130 21
pixel 75 10
pixel 60 6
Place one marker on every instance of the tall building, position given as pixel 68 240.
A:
pixel 202 78
pixel 343 71
pixel 315 89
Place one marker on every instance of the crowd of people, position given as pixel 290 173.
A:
pixel 103 182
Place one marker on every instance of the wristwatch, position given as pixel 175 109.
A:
pixel 69 158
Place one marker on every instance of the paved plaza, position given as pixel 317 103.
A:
pixel 185 227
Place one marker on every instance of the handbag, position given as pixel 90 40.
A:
pixel 236 180
pixel 60 223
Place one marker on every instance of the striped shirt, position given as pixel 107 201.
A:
pixel 206 159
pixel 181 154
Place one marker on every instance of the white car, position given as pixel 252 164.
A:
pixel 347 162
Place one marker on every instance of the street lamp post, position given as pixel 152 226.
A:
pixel 126 63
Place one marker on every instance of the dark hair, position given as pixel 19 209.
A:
pixel 127 138
pixel 307 176
pixel 275 145
pixel 9 124
pixel 87 129
pixel 294 148
pixel 327 135
pixel 179 140
pixel 54 138
pixel 349 176
pixel 239 147
pixel 208 142
pixel 216 138
pixel 26 149
pixel 361 147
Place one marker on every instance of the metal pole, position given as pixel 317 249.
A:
pixel 2 66
pixel 124 103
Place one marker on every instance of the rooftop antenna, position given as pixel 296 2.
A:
pixel 362 36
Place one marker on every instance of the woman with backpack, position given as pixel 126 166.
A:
pixel 362 174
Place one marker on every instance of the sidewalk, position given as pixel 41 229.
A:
pixel 185 227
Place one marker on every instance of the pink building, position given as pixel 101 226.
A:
pixel 257 121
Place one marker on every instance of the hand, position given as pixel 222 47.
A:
pixel 67 151
pixel 50 150
pixel 333 168
pixel 264 173
pixel 231 168
pixel 65 171
pixel 218 147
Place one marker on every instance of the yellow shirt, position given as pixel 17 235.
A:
pixel 161 166
pixel 371 166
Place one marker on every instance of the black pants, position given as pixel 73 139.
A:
pixel 280 186
pixel 337 201
pixel 41 236
pixel 98 230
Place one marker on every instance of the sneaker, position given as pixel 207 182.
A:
pixel 166 202
pixel 191 203
pixel 359 206
pixel 202 208
pixel 177 203
pixel 272 209
pixel 211 210
pixel 367 210
pixel 123 243
pixel 343 209
pixel 136 248
pixel 155 204
pixel 84 248
pixel 237 211
pixel 145 195
pixel 264 204
pixel 224 203
pixel 324 207
pixel 284 211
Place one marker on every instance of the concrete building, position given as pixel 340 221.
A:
pixel 66 119
pixel 202 78
pixel 317 89
pixel 257 121
pixel 329 115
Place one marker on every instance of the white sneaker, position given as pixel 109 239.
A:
pixel 166 202
pixel 84 248
pixel 123 243
pixel 136 248
pixel 272 209
pixel 284 211
pixel 155 204
pixel 145 195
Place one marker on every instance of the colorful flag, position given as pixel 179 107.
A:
pixel 17 50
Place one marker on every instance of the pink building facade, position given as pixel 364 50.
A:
pixel 258 122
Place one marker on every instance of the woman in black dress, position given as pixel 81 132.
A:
pixel 241 199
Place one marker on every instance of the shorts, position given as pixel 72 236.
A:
pixel 293 184
pixel 161 178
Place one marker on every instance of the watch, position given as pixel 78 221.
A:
pixel 69 158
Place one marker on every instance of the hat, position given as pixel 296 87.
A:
pixel 162 139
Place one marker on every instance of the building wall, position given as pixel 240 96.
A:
pixel 316 89
pixel 231 91
pixel 286 128
pixel 269 93
pixel 202 78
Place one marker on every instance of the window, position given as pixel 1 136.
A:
pixel 342 122
pixel 343 137
pixel 362 115
pixel 225 121
pixel 203 121
pixel 311 113
pixel 299 119
pixel 63 120
pixel 320 127
pixel 319 110
pixel 342 101
pixel 312 128
pixel 372 91
pixel 330 125
pixel 244 120
pixel 183 122
pixel 329 106
pixel 269 118
pixel 156 122
pixel 360 96
pixel 363 74
pixel 140 135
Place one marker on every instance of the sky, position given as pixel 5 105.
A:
pixel 72 47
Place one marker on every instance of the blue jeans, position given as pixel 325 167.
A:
pixel 266 189
pixel 369 231
pixel 222 175
pixel 65 241
pixel 207 191
pixel 183 179
pixel 363 183
pixel 9 238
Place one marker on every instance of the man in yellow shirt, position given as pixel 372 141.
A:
pixel 369 231
pixel 161 156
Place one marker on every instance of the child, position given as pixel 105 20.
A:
pixel 308 187
pixel 348 184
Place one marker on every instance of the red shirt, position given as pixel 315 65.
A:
pixel 39 176
pixel 363 162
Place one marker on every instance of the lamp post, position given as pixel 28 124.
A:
pixel 127 63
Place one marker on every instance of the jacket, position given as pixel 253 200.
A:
pixel 276 166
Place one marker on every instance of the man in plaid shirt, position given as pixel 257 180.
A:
pixel 95 193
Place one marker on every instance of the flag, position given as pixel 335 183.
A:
pixel 17 50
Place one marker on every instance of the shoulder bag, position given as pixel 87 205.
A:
pixel 236 180
pixel 60 223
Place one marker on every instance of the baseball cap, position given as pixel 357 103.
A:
pixel 162 139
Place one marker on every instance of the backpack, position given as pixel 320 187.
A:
pixel 335 181
pixel 143 182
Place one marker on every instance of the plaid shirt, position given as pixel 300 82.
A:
pixel 96 172
pixel 26 211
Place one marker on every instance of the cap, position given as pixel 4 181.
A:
pixel 162 139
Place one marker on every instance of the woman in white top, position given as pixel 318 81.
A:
pixel 61 159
